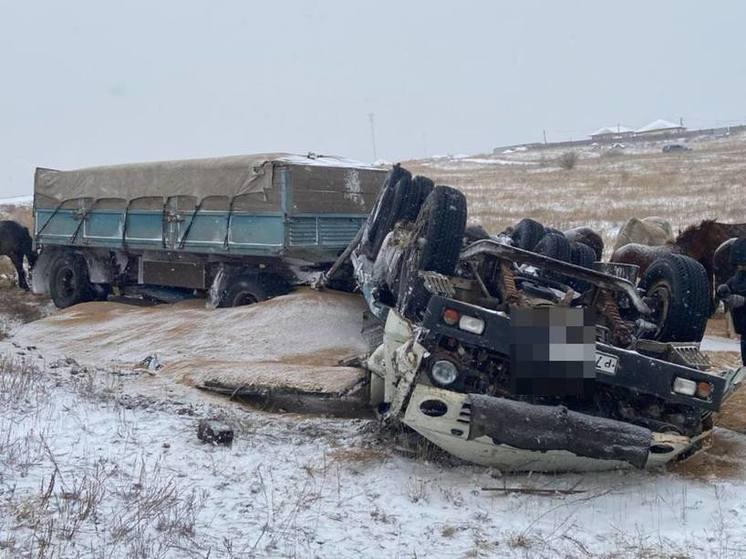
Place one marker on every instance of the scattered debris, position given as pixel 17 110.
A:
pixel 533 491
pixel 215 432
pixel 150 364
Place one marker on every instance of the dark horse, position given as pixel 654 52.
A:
pixel 697 241
pixel 15 242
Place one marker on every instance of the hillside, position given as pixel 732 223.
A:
pixel 604 189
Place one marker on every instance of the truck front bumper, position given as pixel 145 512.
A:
pixel 518 436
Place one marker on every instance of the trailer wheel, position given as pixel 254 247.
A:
pixel 436 243
pixel 249 288
pixel 527 234
pixel 100 291
pixel 68 281
pixel 677 290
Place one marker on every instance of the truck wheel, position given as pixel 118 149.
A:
pixel 386 205
pixel 250 288
pixel 527 234
pixel 68 281
pixel 409 195
pixel 584 256
pixel 414 197
pixel 554 246
pixel 100 291
pixel 436 243
pixel 677 290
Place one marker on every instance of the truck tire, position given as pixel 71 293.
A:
pixel 250 287
pixel 554 246
pixel 386 205
pixel 527 234
pixel 414 197
pixel 587 236
pixel 409 195
pixel 436 243
pixel 68 281
pixel 677 290
pixel 100 291
pixel 584 256
pixel 557 247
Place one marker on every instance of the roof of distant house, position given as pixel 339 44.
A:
pixel 659 124
pixel 612 130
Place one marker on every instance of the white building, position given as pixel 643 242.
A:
pixel 611 133
pixel 660 127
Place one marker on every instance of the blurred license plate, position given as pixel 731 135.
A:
pixel 606 363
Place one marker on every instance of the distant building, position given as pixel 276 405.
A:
pixel 660 128
pixel 611 133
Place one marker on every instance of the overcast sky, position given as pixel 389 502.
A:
pixel 89 83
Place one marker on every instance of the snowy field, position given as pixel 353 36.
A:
pixel 100 459
pixel 604 189
pixel 103 461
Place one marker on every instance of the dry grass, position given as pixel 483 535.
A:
pixel 156 512
pixel 19 307
pixel 602 192
pixel 17 212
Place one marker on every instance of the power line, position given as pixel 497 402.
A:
pixel 372 118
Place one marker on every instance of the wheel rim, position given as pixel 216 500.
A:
pixel 244 298
pixel 660 296
pixel 66 282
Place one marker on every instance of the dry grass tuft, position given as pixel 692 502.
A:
pixel 352 455
pixel 568 160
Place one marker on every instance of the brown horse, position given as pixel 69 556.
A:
pixel 696 241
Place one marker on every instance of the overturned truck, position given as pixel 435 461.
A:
pixel 522 350
pixel 240 229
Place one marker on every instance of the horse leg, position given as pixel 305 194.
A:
pixel 17 259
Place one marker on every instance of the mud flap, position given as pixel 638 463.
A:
pixel 544 428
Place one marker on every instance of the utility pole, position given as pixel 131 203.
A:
pixel 545 136
pixel 372 118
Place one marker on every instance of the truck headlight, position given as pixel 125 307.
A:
pixel 444 372
pixel 471 324
pixel 684 386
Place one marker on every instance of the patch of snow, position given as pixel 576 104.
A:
pixel 325 161
pixel 718 343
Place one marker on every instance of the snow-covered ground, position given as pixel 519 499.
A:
pixel 718 343
pixel 96 463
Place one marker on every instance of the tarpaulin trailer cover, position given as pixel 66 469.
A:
pixel 229 177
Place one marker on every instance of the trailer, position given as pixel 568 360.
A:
pixel 237 229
